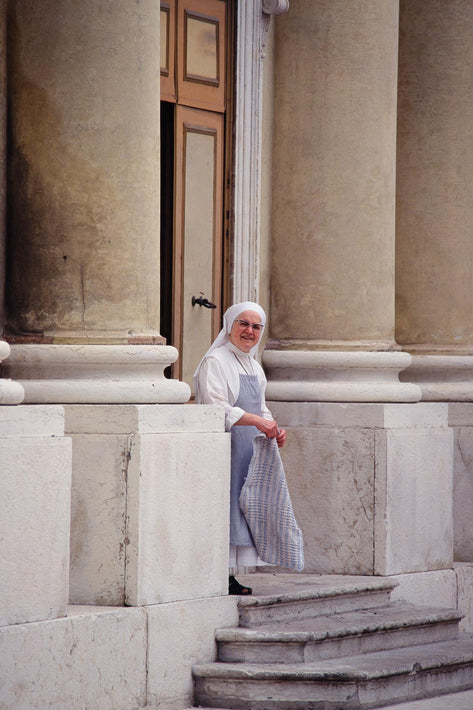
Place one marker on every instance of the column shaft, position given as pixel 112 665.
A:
pixel 434 250
pixel 84 174
pixel 83 276
pixel 334 174
pixel 10 392
pixel 434 175
pixel 332 277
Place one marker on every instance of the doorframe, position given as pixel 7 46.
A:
pixel 252 22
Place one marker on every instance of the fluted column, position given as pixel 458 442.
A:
pixel 434 207
pixel 84 231
pixel 332 279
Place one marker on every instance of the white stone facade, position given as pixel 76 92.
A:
pixel 352 225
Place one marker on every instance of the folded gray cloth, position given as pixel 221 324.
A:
pixel 266 504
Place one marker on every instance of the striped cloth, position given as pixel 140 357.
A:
pixel 266 504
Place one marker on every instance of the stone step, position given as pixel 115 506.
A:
pixel 354 682
pixel 450 701
pixel 344 634
pixel 285 597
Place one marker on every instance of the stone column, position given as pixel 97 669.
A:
pixel 84 228
pixel 434 209
pixel 334 205
pixel 434 217
pixel 10 392
pixel 359 445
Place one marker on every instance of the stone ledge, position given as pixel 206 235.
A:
pixel 369 414
pixel 31 421
pixel 143 418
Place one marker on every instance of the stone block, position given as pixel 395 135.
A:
pixel 413 518
pixel 150 503
pixel 463 488
pixel 371 485
pixel 369 414
pixel 98 518
pixel 180 635
pixel 434 589
pixel 330 478
pixel 464 576
pixel 35 514
pixel 178 511
pixel 93 659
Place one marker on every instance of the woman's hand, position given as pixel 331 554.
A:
pixel 281 437
pixel 267 426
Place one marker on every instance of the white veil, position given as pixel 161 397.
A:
pixel 228 319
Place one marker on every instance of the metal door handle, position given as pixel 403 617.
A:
pixel 201 301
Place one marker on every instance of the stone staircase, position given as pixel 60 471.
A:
pixel 332 643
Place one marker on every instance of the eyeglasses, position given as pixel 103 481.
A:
pixel 254 326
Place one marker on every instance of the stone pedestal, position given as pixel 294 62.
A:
pixel 371 485
pixel 35 520
pixel 461 420
pixel 150 503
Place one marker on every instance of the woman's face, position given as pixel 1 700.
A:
pixel 246 337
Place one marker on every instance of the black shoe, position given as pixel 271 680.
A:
pixel 235 587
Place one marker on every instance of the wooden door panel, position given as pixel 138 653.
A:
pixel 201 28
pixel 168 50
pixel 198 232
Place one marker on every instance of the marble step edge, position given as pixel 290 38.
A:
pixel 403 616
pixel 365 667
pixel 318 594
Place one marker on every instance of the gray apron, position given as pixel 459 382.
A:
pixel 249 399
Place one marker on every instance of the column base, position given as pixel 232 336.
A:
pixel 10 392
pixel 332 376
pixel 442 377
pixel 96 374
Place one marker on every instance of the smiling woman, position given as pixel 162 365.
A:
pixel 229 376
pixel 246 331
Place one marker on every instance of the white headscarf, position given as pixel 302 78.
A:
pixel 229 317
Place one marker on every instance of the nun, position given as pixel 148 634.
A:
pixel 229 376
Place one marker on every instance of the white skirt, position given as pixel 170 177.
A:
pixel 243 556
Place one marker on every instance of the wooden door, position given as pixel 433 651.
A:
pixel 194 70
pixel 198 234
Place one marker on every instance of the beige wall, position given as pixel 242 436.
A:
pixel 85 166
pixel 434 176
pixel 332 277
